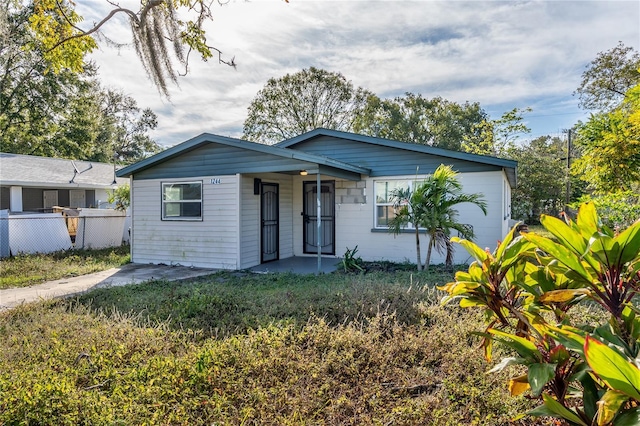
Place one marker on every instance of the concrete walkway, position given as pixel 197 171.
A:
pixel 135 273
pixel 131 273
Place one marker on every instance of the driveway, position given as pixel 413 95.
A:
pixel 132 273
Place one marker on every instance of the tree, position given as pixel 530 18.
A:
pixel 300 102
pixel 542 178
pixel 65 114
pixel 496 136
pixel 412 118
pixel 124 129
pixel 121 197
pixel 430 208
pixel 608 78
pixel 31 99
pixel 610 147
pixel 164 32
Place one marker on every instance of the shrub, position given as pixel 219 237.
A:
pixel 528 289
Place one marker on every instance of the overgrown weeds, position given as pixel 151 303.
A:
pixel 233 302
pixel 62 364
pixel 30 269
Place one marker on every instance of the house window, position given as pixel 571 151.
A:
pixel 384 201
pixel 182 201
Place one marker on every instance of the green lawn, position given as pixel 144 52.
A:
pixel 30 269
pixel 235 348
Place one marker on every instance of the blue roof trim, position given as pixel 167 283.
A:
pixel 484 159
pixel 205 138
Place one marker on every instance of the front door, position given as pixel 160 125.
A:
pixel 270 226
pixel 327 217
pixel 50 198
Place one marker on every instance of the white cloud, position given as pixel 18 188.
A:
pixel 501 54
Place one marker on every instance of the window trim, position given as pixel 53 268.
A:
pixel 411 181
pixel 181 218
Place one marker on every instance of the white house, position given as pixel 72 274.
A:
pixel 219 202
pixel 29 183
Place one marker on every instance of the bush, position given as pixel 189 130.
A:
pixel 528 289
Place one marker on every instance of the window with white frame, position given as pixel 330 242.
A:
pixel 182 201
pixel 384 200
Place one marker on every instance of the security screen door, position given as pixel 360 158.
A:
pixel 269 212
pixel 327 216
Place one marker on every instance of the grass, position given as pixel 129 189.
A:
pixel 234 348
pixel 30 269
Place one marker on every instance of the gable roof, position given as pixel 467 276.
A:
pixel 509 166
pixel 207 138
pixel 47 172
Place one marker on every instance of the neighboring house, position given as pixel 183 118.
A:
pixel 219 202
pixel 35 184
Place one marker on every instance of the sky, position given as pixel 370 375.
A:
pixel 502 54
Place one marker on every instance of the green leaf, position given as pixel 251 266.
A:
pixel 524 347
pixel 567 236
pixel 628 418
pixel 587 220
pixel 539 374
pixel 474 250
pixel 611 367
pixel 562 254
pixel 559 410
pixel 590 394
pixel 629 240
pixel 609 406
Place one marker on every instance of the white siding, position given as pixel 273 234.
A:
pixel 250 218
pixel 250 224
pixel 210 243
pixel 354 222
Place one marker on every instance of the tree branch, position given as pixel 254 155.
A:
pixel 96 27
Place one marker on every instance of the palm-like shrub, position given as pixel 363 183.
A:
pixel 431 208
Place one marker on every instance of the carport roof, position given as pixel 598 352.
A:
pixel 326 163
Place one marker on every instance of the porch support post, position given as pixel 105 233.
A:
pixel 319 221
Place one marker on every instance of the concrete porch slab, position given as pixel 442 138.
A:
pixel 299 265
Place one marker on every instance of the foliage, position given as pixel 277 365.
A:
pixel 610 145
pixel 121 197
pixel 542 178
pixel 608 78
pixel 528 288
pixel 64 114
pixel 61 363
pixel 494 137
pixel 351 262
pixel 30 269
pixel 430 207
pixel 297 103
pixel 164 32
pixel 412 118
pixel 617 210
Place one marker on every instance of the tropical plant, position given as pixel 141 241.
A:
pixel 430 208
pixel 585 375
pixel 351 262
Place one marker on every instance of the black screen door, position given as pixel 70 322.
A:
pixel 310 217
pixel 270 226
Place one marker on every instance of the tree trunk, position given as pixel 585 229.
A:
pixel 428 261
pixel 419 257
